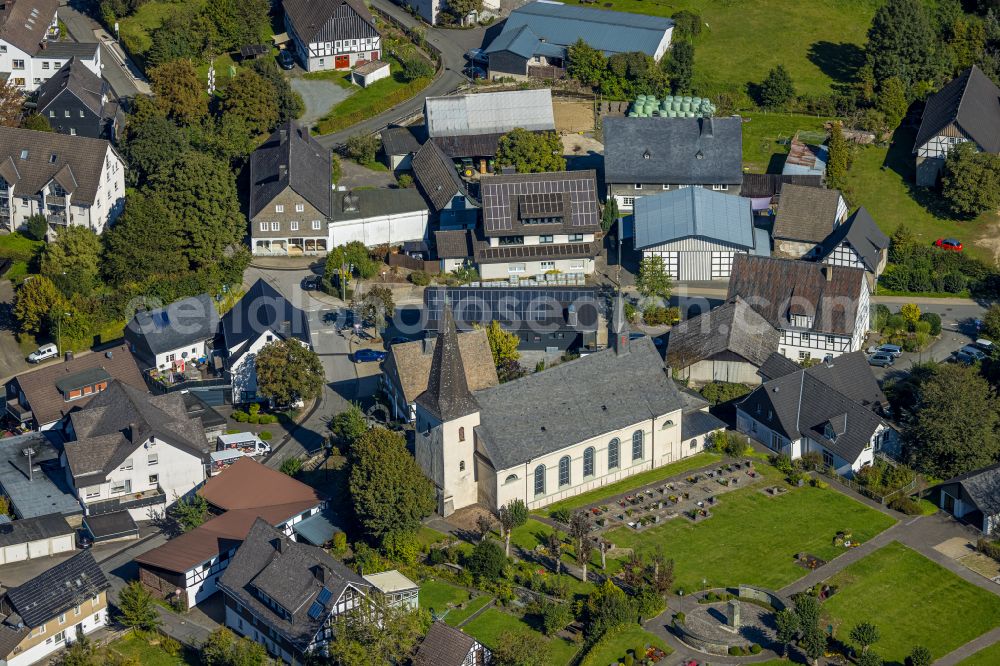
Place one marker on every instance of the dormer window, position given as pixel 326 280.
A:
pixel 829 433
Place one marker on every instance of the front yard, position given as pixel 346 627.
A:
pixel 148 652
pixel 439 596
pixel 913 601
pixel 487 629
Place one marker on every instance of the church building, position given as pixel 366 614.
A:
pixel 557 433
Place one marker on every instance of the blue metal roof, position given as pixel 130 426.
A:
pixel 553 24
pixel 693 211
pixel 317 529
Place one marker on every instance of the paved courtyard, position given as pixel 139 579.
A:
pixel 319 96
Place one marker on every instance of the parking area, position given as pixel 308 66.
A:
pixel 319 95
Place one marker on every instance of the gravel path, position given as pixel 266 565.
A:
pixel 320 96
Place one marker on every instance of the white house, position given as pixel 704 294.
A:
pixel 821 310
pixel 834 408
pixel 336 34
pixel 396 589
pixel 857 243
pixel 378 217
pixel 131 451
pixel 262 316
pixel 174 335
pixel 71 180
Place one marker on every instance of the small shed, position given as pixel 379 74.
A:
pixel 253 51
pixel 369 72
pixel 397 589
pixel 114 526
pixel 31 538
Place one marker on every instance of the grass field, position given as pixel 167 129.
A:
pixel 428 537
pixel 913 601
pixel 762 152
pixel 820 42
pixel 753 538
pixel 986 657
pixel 438 596
pixel 612 648
pixel 488 627
pixel 142 651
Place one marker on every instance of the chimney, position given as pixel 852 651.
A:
pixel 282 171
pixel 707 128
pixel 828 272
pixel 283 135
pixel 572 320
pixel 428 347
pixel 69 356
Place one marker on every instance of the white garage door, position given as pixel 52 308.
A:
pixel 63 544
pixel 15 553
pixel 38 548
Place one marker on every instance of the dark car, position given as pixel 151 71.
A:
pixel 398 340
pixel 881 360
pixel 286 59
pixel 368 355
pixel 474 72
pixel 963 357
pixel 477 56
pixel 310 283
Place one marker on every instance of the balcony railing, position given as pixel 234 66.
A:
pixel 138 500
pixel 56 218
pixel 19 412
pixel 52 199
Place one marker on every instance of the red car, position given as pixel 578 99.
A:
pixel 949 244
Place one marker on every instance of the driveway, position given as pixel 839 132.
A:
pixel 353 176
pixel 120 72
pixel 319 96
pixel 12 360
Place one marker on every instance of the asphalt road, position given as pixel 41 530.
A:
pixel 452 43
pixel 123 76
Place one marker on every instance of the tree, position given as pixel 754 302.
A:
pixel 968 40
pixel 892 101
pixel 530 152
pixel 555 616
pixel 653 279
pixel 586 64
pixel 178 91
pixel 902 44
pixel 34 301
pixel 288 371
pixel 813 643
pixel 71 262
pixel 223 648
pixel 839 157
pixel 584 550
pixel 346 260
pixel 513 514
pixel 910 312
pixel 865 634
pixel 520 647
pixel 290 103
pixel 291 467
pixel 462 8
pixel 687 24
pixel 188 513
pixel 151 141
pixel 362 148
pixel 144 242
pixel 251 98
pixel 554 545
pixel 357 638
pixel 11 103
pixel 80 652
pixel 484 525
pixel 919 656
pixel 486 561
pixel 777 88
pixel 37 122
pixel 610 214
pixel 787 628
pixel 503 344
pixel 807 609
pixel 350 424
pixel 902 244
pixel 238 22
pixel 389 491
pixel 579 529
pixel 376 306
pixel 200 192
pixel 680 66
pixel 952 428
pixel 417 67
pixel 136 608
pixel 970 180
pixel 991 322
pixel 871 658
pixel 36 227
pixel 607 607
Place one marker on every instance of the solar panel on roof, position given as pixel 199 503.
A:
pixel 324 596
pixel 315 610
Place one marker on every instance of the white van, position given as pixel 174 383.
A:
pixel 43 353
pixel 247 442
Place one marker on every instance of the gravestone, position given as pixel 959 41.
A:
pixel 733 614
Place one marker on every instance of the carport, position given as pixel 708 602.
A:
pixel 111 527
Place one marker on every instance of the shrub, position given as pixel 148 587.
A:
pixel 561 515
pixel 906 505
pixel 420 278
pixel 405 180
pixel 240 417
pixel 630 313
pixel 934 320
pixel 881 315
pixel 655 315
pixel 782 463
pixel 629 660
pixel 811 460
pixel 679 618
pixel 819 483
pixel 555 616
pixel 340 542
pixel 487 561
pixel 755 649
pixel 735 651
pixel 719 392
pixel 254 418
pixel 265 435
pixel 989 548
pixel 436 556
pixel 291 467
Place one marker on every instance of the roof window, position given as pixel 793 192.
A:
pixel 24 153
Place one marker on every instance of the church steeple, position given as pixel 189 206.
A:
pixel 447 396
pixel 620 326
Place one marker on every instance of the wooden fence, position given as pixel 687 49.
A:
pixel 404 261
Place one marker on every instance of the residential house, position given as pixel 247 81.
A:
pixel 567 438
pixel 697 232
pixel 41 398
pixel 288 596
pixel 653 155
pixel 446 193
pixel 291 193
pixel 805 159
pixel 135 452
pixel 336 34
pixel 261 316
pixel 543 318
pixel 805 217
pixel 174 336
pixel 33 538
pixel 30 50
pixel 727 344
pixel 395 589
pixel 399 145
pixel 378 217
pixel 408 366
pixel 698 424
pixel 820 309
pixel 445 645
pixel 71 180
pixel 834 408
pixel 536 37
pixel 973 498
pixel 764 189
pixel 77 101
pixel 431 10
pixel 188 566
pixel 470 126
pixel 52 610
pixel 538 224
pixel 454 249
pixel 33 479
pixel 858 242
pixel 966 109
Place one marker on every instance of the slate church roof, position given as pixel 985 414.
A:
pixel 447 396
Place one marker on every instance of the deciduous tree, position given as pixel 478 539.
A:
pixel 586 64
pixel 144 242
pixel 503 344
pixel 224 648
pixel 357 638
pixel 970 180
pixel 288 371
pixel 787 626
pixel 151 141
pixel 513 514
pixel 37 227
pixel 813 643
pixel 251 98
pixel 362 148
pixel 188 513
pixel 518 648
pixel 376 306
pixel 554 545
pixel 531 152
pixel 608 607
pixel 290 103
pixel 919 656
pixel 37 122
pixel 349 424
pixel 11 104
pixel 865 634
pixel 178 91
pixel 71 261
pixel 653 279
pixel 486 561
pixel 34 300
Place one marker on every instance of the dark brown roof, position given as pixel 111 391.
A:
pixel 329 20
pixel 861 232
pixel 733 327
pixel 23 23
pixel 290 158
pixel 970 100
pixel 410 366
pixel 759 185
pixel 235 488
pixel 46 154
pixel 504 253
pixel 473 145
pixel 776 287
pixel 444 646
pixel 447 396
pixel 436 176
pixel 453 244
pixel 806 213
pixel 44 399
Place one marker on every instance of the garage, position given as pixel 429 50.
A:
pixel 35 537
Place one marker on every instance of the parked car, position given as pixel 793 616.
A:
pixel 891 350
pixel 477 56
pixel 398 340
pixel 973 351
pixel 369 355
pixel 311 283
pixel 43 353
pixel 984 344
pixel 474 72
pixel 963 357
pixel 881 360
pixel 952 244
pixel 286 59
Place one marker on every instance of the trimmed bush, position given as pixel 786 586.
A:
pixel 265 435
pixel 240 417
pixel 420 278
pixel 679 618
pixel 906 505
pixel 755 649
pixel 253 418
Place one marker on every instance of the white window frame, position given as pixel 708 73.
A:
pixel 299 208
pixel 294 225
pixel 263 226
pixel 516 268
pixel 153 459
pixel 279 208
pixel 90 492
pixel 637 186
pixel 547 265
pixel 317 224
pixel 628 201
pixel 720 188
pixel 275 225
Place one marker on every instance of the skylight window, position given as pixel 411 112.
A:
pixel 24 154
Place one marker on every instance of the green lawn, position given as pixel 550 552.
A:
pixel 428 537
pixel 762 152
pixel 912 600
pixel 439 596
pixel 488 627
pixel 819 42
pixel 636 481
pixel 341 78
pixel 881 180
pixel 753 538
pixel 986 657
pixel 459 615
pixel 613 646
pixel 140 649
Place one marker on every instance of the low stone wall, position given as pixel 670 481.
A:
pixel 701 642
pixel 772 599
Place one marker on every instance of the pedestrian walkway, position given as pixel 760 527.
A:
pixel 970 648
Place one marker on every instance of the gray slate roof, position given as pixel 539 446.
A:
pixel 776 365
pixel 262 308
pixel 666 151
pixel 360 204
pixel 489 112
pixel 447 396
pixel 970 100
pixel 399 141
pixel 698 423
pixel 806 213
pixel 306 169
pixel 78 164
pixel 436 176
pixel 548 411
pixel 693 212
pixel 770 184
pixel 23 22
pixel 983 487
pixel 329 20
pixel 58 589
pixel 733 327
pixel 76 79
pixel 453 244
pixel 268 562
pixel 861 232
pixel 181 324
pixel 34 529
pixel 512 202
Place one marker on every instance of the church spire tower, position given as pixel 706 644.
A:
pixel 447 396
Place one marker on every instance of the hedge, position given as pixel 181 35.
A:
pixel 398 96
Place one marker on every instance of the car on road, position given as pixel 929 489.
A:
pixel 892 350
pixel 286 59
pixel 973 351
pixel 881 360
pixel 952 244
pixel 474 72
pixel 477 56
pixel 310 283
pixel 369 355
pixel 43 353
pixel 962 357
